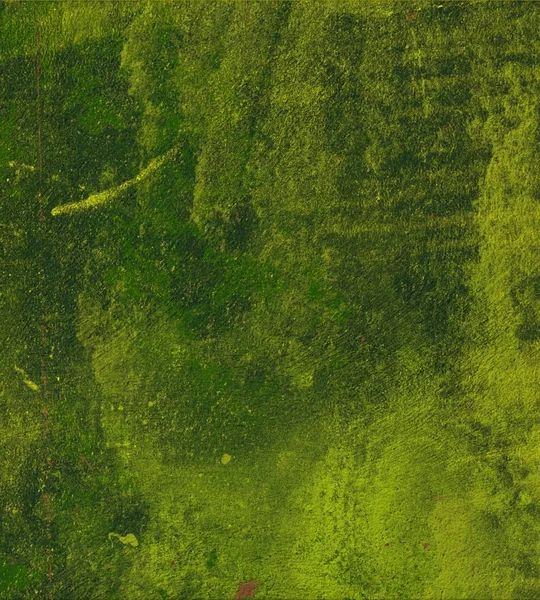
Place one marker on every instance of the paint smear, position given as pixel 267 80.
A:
pixel 26 380
pixel 128 540
pixel 247 589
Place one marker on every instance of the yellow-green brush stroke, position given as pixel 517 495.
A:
pixel 26 380
pixel 128 539
pixel 96 200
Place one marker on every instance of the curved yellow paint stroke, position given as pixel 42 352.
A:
pixel 96 200
pixel 26 380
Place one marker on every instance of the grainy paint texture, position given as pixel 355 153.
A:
pixel 270 300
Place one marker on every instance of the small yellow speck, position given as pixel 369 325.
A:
pixel 226 459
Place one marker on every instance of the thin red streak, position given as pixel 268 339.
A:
pixel 87 463
pixel 45 496
pixel 38 100
pixel 43 374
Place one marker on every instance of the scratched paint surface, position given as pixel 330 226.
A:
pixel 270 300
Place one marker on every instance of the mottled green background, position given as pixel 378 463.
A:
pixel 295 340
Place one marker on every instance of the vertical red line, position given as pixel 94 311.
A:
pixel 46 499
pixel 38 100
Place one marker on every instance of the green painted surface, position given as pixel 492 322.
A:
pixel 270 300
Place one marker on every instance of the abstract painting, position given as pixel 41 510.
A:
pixel 270 299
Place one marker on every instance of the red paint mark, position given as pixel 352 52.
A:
pixel 426 545
pixel 362 340
pixel 45 496
pixel 85 460
pixel 438 498
pixel 411 16
pixel 47 501
pixel 46 420
pixel 43 374
pixel 38 102
pixel 247 589
pixel 43 334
